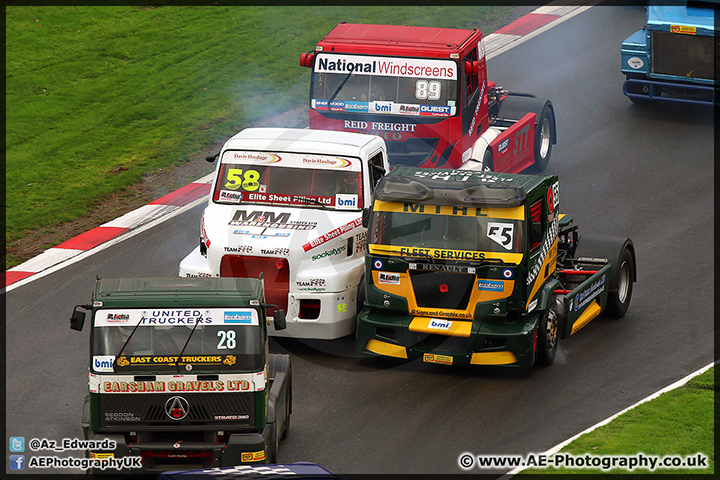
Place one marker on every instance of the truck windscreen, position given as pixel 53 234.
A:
pixel 290 179
pixel 467 233
pixel 223 339
pixel 384 85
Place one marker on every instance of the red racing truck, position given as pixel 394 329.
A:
pixel 426 92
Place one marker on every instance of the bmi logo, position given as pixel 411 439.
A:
pixel 346 202
pixel 439 324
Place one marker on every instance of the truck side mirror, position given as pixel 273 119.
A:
pixel 78 318
pixel 471 67
pixel 306 59
pixel 212 158
pixel 535 232
pixel 278 316
pixel 279 319
pixel 365 217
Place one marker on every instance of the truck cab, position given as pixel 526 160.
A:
pixel 426 92
pixel 476 268
pixel 675 57
pixel 180 374
pixel 287 203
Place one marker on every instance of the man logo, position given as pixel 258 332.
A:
pixel 177 408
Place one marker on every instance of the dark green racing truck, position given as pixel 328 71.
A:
pixel 471 268
pixel 180 374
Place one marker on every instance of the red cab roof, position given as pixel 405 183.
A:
pixel 402 40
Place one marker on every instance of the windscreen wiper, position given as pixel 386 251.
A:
pixel 129 337
pixel 177 362
pixel 337 90
pixel 312 200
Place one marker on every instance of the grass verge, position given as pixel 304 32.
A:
pixel 679 423
pixel 98 96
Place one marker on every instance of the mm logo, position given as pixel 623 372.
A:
pixel 241 217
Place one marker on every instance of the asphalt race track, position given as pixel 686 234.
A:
pixel 640 171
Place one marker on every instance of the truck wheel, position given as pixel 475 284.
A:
pixel 487 163
pixel 361 294
pixel 274 447
pixel 548 335
pixel 544 134
pixel 288 403
pixel 618 301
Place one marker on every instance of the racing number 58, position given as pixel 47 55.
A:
pixel 236 179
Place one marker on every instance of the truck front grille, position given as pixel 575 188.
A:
pixel 435 289
pixel 150 409
pixel 276 274
pixel 682 55
pixel 411 152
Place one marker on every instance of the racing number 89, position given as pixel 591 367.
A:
pixel 427 90
pixel 236 179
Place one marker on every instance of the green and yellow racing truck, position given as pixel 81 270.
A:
pixel 471 268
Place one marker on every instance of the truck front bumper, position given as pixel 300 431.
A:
pixel 642 89
pixel 240 448
pixel 326 315
pixel 487 343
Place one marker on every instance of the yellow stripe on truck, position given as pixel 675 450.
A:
pixel 512 213
pixel 442 253
pixel 387 349
pixel 493 358
pixel 592 311
pixel 440 326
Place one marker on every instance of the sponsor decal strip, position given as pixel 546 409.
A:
pixel 442 254
pixel 249 382
pixel 172 317
pixel 332 234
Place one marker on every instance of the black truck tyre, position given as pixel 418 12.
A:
pixel 288 403
pixel 516 106
pixel 487 165
pixel 619 300
pixel 361 294
pixel 274 446
pixel 544 135
pixel 620 251
pixel 548 336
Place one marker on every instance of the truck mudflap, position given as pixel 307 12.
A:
pixel 586 301
pixel 240 448
pixel 642 89
pixel 449 341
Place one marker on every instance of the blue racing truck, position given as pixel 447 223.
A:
pixel 674 57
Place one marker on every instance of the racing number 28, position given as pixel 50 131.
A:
pixel 236 179
pixel 227 340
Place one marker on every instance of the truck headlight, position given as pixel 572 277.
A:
pixel 532 305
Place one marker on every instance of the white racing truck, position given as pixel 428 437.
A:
pixel 288 203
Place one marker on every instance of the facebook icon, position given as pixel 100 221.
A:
pixel 17 462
